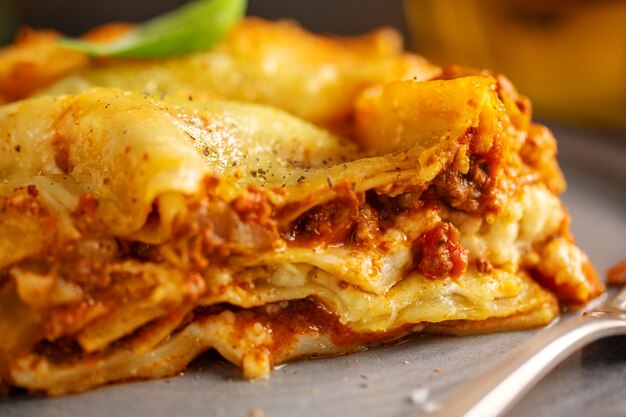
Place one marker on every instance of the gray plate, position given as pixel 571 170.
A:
pixel 379 382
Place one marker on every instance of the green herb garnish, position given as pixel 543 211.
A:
pixel 192 27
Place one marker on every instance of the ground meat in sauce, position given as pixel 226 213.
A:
pixel 438 253
pixel 483 266
pixel 387 208
pixel 27 201
pixel 5 276
pixel 368 227
pixel 472 192
pixel 59 350
pixel 138 250
pixel 330 223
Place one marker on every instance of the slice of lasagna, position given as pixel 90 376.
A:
pixel 282 195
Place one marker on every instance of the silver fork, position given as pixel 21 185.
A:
pixel 496 391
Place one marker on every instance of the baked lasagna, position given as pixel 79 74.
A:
pixel 281 195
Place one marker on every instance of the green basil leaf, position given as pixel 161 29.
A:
pixel 192 27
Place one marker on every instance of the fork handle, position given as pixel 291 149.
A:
pixel 496 391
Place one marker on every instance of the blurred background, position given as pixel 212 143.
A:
pixel 568 56
pixel 76 16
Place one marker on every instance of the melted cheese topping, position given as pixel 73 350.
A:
pixel 319 76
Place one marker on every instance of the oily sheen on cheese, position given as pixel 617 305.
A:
pixel 281 195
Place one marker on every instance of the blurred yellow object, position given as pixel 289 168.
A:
pixel 568 56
